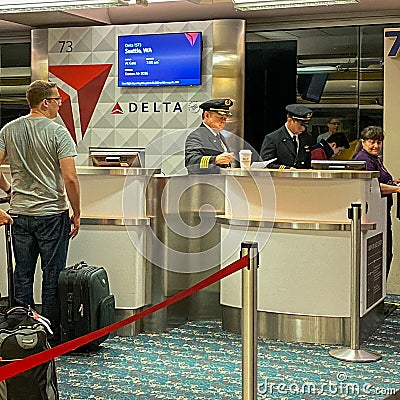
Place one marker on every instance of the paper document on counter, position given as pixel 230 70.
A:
pixel 262 164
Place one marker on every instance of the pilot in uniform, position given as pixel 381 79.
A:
pixel 290 145
pixel 206 150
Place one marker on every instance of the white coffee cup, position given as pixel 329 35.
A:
pixel 245 159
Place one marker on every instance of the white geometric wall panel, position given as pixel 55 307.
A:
pixel 159 118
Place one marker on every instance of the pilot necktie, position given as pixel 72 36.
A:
pixel 222 143
pixel 294 138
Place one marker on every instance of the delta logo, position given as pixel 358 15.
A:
pixel 148 107
pixel 88 81
pixel 117 109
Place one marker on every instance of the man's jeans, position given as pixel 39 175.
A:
pixel 47 236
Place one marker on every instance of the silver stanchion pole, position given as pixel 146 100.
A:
pixel 354 353
pixel 249 321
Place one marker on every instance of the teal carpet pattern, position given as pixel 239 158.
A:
pixel 199 360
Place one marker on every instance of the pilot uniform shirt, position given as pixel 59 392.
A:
pixel 279 145
pixel 202 146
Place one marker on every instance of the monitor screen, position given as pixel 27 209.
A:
pixel 311 86
pixel 117 157
pixel 338 164
pixel 166 59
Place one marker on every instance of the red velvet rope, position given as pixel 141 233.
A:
pixel 27 363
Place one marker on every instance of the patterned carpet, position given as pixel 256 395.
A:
pixel 201 361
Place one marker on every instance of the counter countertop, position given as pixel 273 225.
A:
pixel 253 222
pixel 274 173
pixel 120 171
pixel 302 173
pixel 86 170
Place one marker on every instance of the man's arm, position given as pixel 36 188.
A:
pixel 4 184
pixel 193 149
pixel 268 152
pixel 197 154
pixel 72 187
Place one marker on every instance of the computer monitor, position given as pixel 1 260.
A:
pixel 337 164
pixel 311 86
pixel 117 157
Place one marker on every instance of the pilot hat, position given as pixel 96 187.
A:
pixel 220 106
pixel 300 113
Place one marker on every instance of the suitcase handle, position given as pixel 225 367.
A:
pixel 20 310
pixel 30 313
pixel 10 268
pixel 79 265
pixel 70 310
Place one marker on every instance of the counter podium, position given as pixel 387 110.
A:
pixel 299 218
pixel 112 233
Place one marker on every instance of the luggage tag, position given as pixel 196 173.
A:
pixel 43 320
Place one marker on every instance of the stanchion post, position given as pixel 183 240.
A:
pixel 354 353
pixel 249 321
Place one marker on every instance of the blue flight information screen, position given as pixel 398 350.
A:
pixel 166 59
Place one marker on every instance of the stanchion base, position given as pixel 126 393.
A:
pixel 354 355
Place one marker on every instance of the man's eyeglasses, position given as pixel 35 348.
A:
pixel 57 99
pixel 334 123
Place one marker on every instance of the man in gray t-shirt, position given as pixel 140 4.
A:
pixel 41 157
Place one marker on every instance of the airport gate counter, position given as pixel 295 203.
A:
pixel 112 233
pixel 157 235
pixel 305 250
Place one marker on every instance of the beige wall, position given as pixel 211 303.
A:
pixel 392 144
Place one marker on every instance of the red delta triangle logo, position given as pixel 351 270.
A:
pixel 117 109
pixel 192 37
pixel 88 81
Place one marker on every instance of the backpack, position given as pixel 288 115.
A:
pixel 23 332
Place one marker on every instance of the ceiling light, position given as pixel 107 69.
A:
pixel 20 6
pixel 152 1
pixel 247 5
pixel 316 69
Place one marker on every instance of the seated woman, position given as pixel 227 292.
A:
pixel 370 148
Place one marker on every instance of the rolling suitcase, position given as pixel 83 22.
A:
pixel 85 301
pixel 23 332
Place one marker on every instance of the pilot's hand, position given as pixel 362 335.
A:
pixel 224 158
